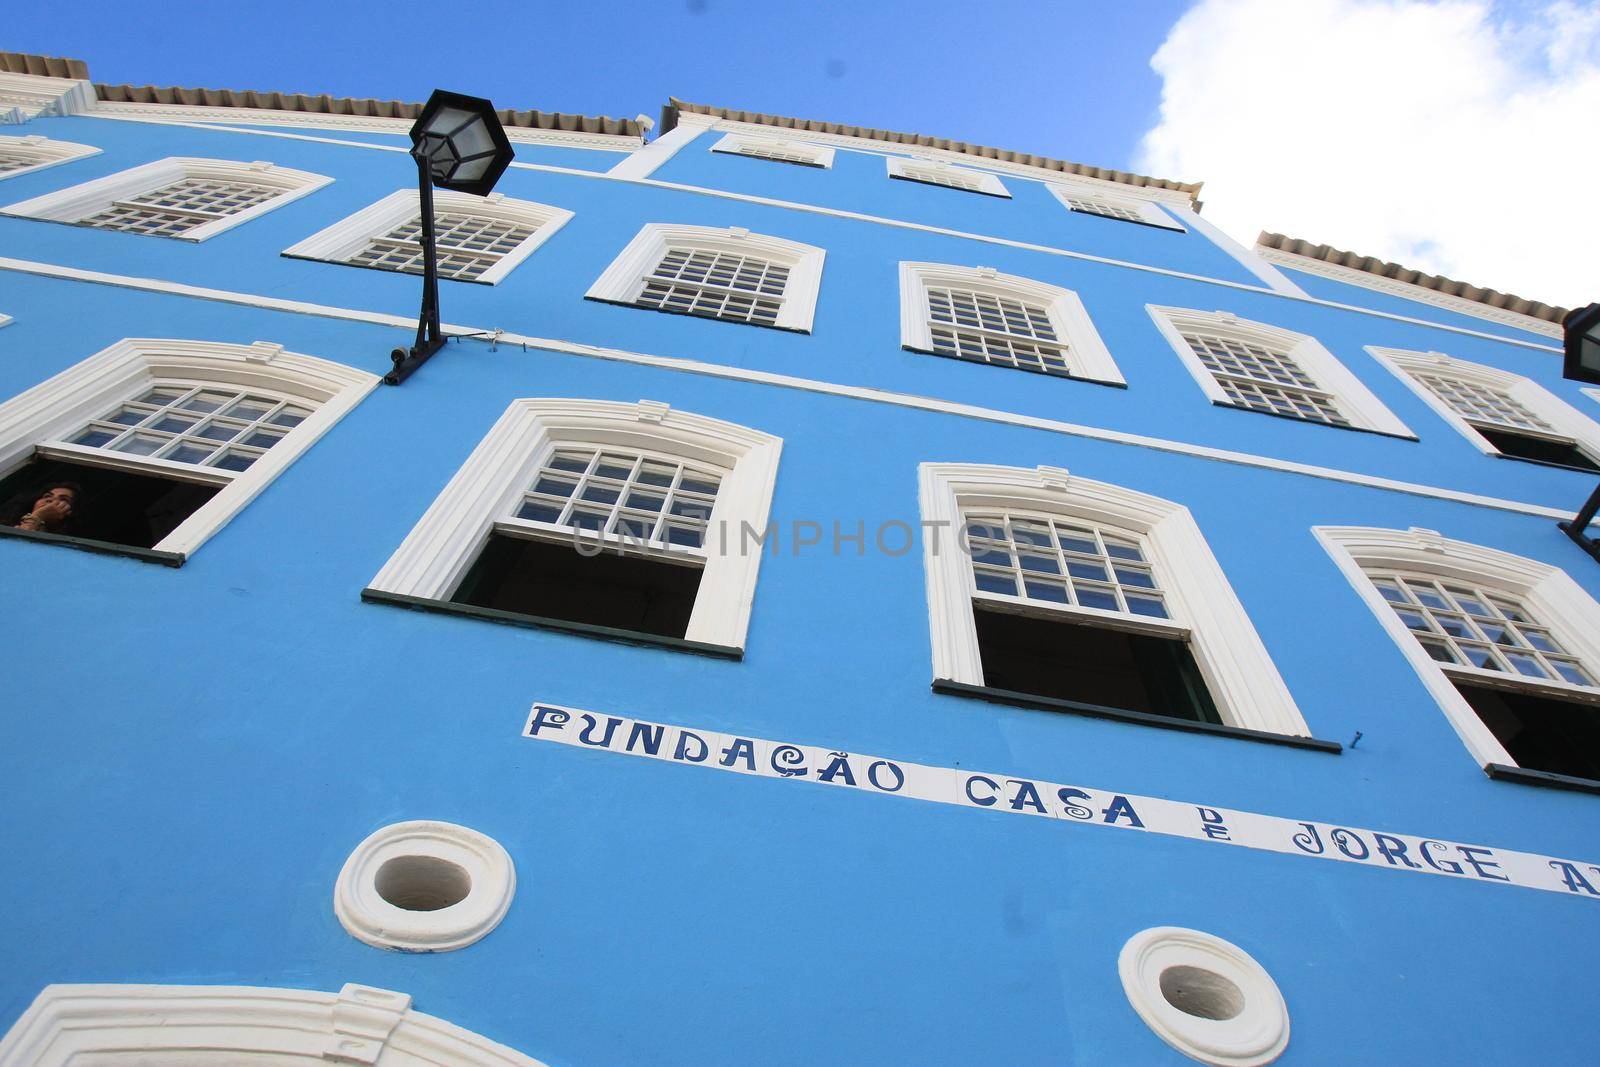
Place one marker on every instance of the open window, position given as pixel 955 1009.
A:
pixel 1077 591
pixel 931 172
pixel 190 199
pixel 163 441
pixel 1510 647
pixel 478 238
pixel 1087 200
pixel 1501 413
pixel 777 150
pixel 24 155
pixel 617 519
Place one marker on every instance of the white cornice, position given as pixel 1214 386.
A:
pixel 32 96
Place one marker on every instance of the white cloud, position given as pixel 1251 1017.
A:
pixel 1456 137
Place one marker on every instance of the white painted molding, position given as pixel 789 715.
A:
pixel 40 96
pixel 1239 673
pixel 139 1025
pixel 6 320
pixel 644 160
pixel 407 858
pixel 1087 355
pixel 1242 1020
pixel 1085 199
pixel 1421 294
pixel 1565 419
pixel 1592 394
pixel 1548 592
pixel 777 148
pixel 1355 401
pixel 348 236
pixel 87 390
pixel 1250 259
pixel 932 172
pixel 80 201
pixel 434 557
pixel 623 280
pixel 39 153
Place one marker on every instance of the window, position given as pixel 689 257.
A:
pixel 1510 647
pixel 1250 365
pixel 1127 209
pixel 806 155
pixel 618 517
pixel 192 199
pixel 979 315
pixel 931 173
pixel 168 439
pixel 1077 590
pixel 1501 413
pixel 479 239
pixel 23 155
pixel 730 274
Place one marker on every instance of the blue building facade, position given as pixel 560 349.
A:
pixel 971 486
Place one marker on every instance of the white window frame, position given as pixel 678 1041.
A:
pixel 821 156
pixel 45 151
pixel 78 202
pixel 1548 593
pixel 39 420
pixel 625 278
pixel 1240 675
pixel 348 236
pixel 1149 212
pixel 436 555
pixel 1356 402
pixel 1567 420
pixel 1087 354
pixel 906 169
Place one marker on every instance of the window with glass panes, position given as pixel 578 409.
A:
pixel 467 245
pixel 1463 625
pixel 1103 207
pixel 640 497
pixel 1482 405
pixel 718 285
pixel 950 179
pixel 17 158
pixel 989 328
pixel 182 206
pixel 204 426
pixel 779 154
pixel 1062 562
pixel 1263 377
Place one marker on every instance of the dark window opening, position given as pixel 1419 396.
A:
pixel 116 507
pixel 556 581
pixel 1541 733
pixel 1542 449
pixel 1092 665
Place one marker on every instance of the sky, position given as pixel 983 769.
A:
pixel 1453 136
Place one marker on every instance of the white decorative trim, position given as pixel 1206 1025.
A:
pixel 1562 416
pixel 88 389
pixel 1356 402
pixel 1421 294
pixel 622 281
pixel 1148 211
pixel 337 243
pixel 1087 355
pixel 6 320
pixel 77 202
pixel 434 557
pixel 31 96
pixel 1256 1035
pixel 816 155
pixel 928 170
pixel 1249 259
pixel 135 1025
pixel 1549 593
pixel 491 882
pixel 1592 394
pixel 45 152
pixel 1239 673
pixel 644 160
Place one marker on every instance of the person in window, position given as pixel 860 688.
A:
pixel 53 509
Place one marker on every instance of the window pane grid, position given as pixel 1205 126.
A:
pixel 1482 404
pixel 181 206
pixel 12 160
pixel 994 329
pixel 1263 379
pixel 949 179
pixel 719 285
pixel 1463 625
pixel 1052 561
pixel 467 245
pixel 628 494
pixel 1100 207
pixel 781 155
pixel 222 428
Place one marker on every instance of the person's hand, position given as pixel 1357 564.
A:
pixel 50 513
pixel 27 522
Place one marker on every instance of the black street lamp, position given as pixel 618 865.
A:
pixel 459 145
pixel 1581 330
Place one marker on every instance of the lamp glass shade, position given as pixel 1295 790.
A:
pixel 460 140
pixel 1582 334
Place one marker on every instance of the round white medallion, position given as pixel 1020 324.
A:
pixel 424 887
pixel 1205 997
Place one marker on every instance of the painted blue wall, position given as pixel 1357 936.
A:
pixel 190 754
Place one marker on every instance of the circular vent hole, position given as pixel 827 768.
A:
pixel 423 883
pixel 1201 993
